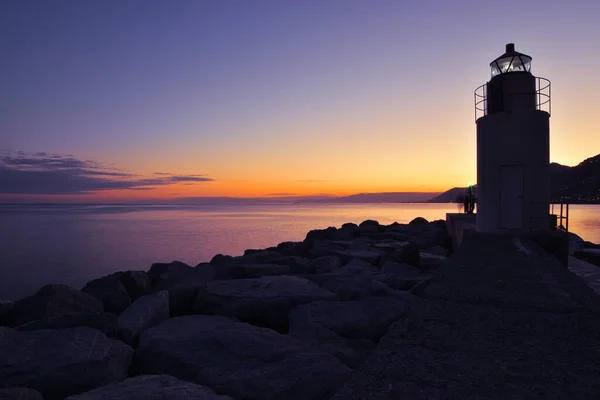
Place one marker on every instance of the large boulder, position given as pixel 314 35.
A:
pixel 325 264
pixel 320 234
pixel 399 282
pixel 144 313
pixel 349 286
pixel 237 359
pixel 357 267
pixel 136 283
pixel 244 271
pixel 369 256
pixel 182 282
pixel 297 265
pixel 400 270
pixel 419 221
pixel 110 291
pixel 102 321
pixel 369 222
pixel 150 387
pixel 429 261
pixel 258 256
pixel 6 307
pixel 19 393
pixel 175 270
pixel 220 259
pixel 368 318
pixel 410 255
pixel 262 301
pixel 351 352
pixel 62 362
pixel 50 301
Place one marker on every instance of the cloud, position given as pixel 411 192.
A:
pixel 281 194
pixel 43 173
pixel 189 178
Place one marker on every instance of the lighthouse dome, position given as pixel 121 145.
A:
pixel 511 61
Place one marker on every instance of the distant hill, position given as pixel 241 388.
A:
pixel 577 185
pixel 390 197
pixel 449 196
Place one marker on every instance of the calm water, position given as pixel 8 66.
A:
pixel 72 244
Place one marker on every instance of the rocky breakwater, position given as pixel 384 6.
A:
pixel 287 322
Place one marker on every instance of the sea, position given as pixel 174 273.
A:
pixel 72 244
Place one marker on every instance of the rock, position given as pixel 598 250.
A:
pixel 285 246
pixel 357 267
pixel 322 248
pixel 436 250
pixel 297 265
pixel 183 283
pixel 360 244
pixel 136 283
pixel 182 298
pixel 369 222
pixel 320 234
pixel 168 271
pixel 150 387
pixel 372 257
pixel 398 282
pixel 351 352
pixel 410 255
pixel 102 321
pixel 144 313
pixel 369 230
pixel 239 360
pixel 368 318
pixel 62 362
pixel 220 259
pixel 430 261
pixel 400 270
pixel 19 393
pixel 591 255
pixel 110 291
pixel 50 301
pixel 439 224
pixel 345 234
pixel 257 257
pixel 419 221
pixel 349 286
pixel 390 246
pixel 325 264
pixel 241 271
pixel 6 307
pixel 262 301
pixel 349 225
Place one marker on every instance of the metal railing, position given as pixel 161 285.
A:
pixel 542 97
pixel 563 216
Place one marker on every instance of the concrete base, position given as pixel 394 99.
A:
pixel 457 224
pixel 554 242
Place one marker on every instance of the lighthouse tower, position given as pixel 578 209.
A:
pixel 512 113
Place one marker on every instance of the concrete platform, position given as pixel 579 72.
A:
pixel 503 320
pixel 590 273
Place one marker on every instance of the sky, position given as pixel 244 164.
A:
pixel 122 100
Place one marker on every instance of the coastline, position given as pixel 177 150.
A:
pixel 300 320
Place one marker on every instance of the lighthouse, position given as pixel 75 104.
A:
pixel 512 114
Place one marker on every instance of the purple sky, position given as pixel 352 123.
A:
pixel 262 91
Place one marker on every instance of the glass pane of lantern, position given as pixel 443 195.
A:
pixel 495 70
pixel 504 64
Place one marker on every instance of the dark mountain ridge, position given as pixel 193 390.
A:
pixel 579 184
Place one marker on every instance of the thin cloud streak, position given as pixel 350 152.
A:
pixel 43 173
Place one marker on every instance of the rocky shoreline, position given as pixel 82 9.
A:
pixel 287 322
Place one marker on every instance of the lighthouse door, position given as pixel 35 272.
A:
pixel 511 196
